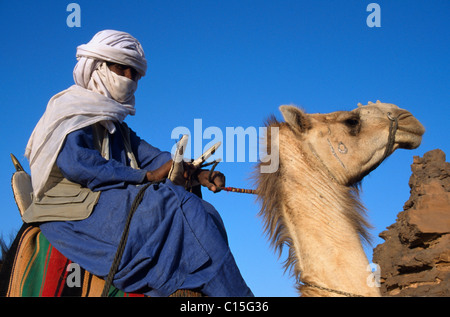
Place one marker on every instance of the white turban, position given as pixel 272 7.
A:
pixel 110 46
pixel 81 105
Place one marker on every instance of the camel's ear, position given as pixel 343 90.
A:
pixel 295 117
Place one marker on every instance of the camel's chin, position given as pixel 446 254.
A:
pixel 408 141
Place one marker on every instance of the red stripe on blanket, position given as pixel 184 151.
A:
pixel 56 267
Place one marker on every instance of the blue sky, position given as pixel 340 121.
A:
pixel 232 63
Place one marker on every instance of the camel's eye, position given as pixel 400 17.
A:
pixel 353 124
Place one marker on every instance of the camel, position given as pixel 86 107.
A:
pixel 310 203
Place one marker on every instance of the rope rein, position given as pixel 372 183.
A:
pixel 227 189
pixel 239 190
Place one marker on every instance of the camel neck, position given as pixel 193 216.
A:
pixel 323 224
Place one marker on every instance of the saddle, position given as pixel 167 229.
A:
pixel 37 268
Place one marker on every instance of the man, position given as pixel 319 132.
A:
pixel 87 167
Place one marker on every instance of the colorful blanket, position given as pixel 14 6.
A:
pixel 41 270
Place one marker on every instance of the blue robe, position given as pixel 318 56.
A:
pixel 176 240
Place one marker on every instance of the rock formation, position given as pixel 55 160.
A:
pixel 415 257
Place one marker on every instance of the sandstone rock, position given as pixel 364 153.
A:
pixel 415 257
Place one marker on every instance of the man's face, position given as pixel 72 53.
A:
pixel 124 70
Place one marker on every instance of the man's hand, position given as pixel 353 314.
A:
pixel 202 176
pixel 216 183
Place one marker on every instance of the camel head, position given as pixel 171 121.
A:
pixel 350 144
pixel 310 203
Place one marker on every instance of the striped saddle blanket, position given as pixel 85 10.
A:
pixel 40 270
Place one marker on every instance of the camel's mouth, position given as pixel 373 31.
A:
pixel 410 131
